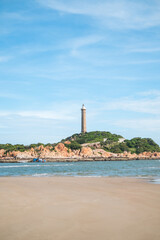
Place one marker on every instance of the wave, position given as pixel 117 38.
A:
pixel 90 176
pixel 21 166
pixel 41 175
pixel 157 167
pixel 37 165
pixel 156 180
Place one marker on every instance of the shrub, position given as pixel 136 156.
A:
pixel 73 145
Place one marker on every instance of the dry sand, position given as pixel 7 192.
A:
pixel 78 209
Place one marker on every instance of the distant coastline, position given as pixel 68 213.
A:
pixel 85 159
pixel 88 146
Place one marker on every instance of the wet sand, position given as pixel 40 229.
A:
pixel 70 208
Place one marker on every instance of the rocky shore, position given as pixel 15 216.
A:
pixel 63 154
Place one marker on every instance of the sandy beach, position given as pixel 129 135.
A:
pixel 78 208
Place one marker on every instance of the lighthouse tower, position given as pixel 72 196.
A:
pixel 83 119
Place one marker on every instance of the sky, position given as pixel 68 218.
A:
pixel 56 55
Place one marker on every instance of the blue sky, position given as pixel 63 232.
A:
pixel 56 55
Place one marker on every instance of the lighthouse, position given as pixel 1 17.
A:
pixel 83 119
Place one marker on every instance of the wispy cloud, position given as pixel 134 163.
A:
pixel 151 93
pixel 54 115
pixel 139 105
pixel 5 58
pixel 15 16
pixel 45 115
pixel 149 61
pixel 10 95
pixel 85 41
pixel 71 44
pixel 117 14
pixel 81 42
pixel 150 124
pixel 1 126
pixel 32 49
pixel 144 50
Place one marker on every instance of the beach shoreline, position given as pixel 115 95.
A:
pixel 79 208
pixel 91 159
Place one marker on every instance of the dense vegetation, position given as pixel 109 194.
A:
pixel 142 145
pixel 96 136
pixel 73 145
pixel 20 147
pixel 111 144
pixel 135 145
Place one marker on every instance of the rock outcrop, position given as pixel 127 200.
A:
pixel 2 152
pixel 61 151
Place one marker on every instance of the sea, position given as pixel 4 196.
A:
pixel 148 169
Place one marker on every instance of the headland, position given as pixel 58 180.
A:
pixel 91 146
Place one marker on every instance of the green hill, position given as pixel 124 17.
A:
pixel 96 136
pixel 110 142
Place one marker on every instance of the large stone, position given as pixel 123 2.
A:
pixel 2 152
pixel 86 152
pixel 101 153
pixel 67 142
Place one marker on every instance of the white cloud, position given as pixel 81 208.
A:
pixel 31 49
pixel 139 124
pixel 14 16
pixel 144 50
pixel 139 105
pixel 73 43
pixel 118 13
pixel 77 43
pixel 45 115
pixel 5 58
pixel 10 95
pixel 1 126
pixel 151 93
pixel 54 115
pixel 85 41
pixel 143 61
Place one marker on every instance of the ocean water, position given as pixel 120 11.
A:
pixel 149 169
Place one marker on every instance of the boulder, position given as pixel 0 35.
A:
pixel 2 152
pixel 86 152
pixel 67 142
